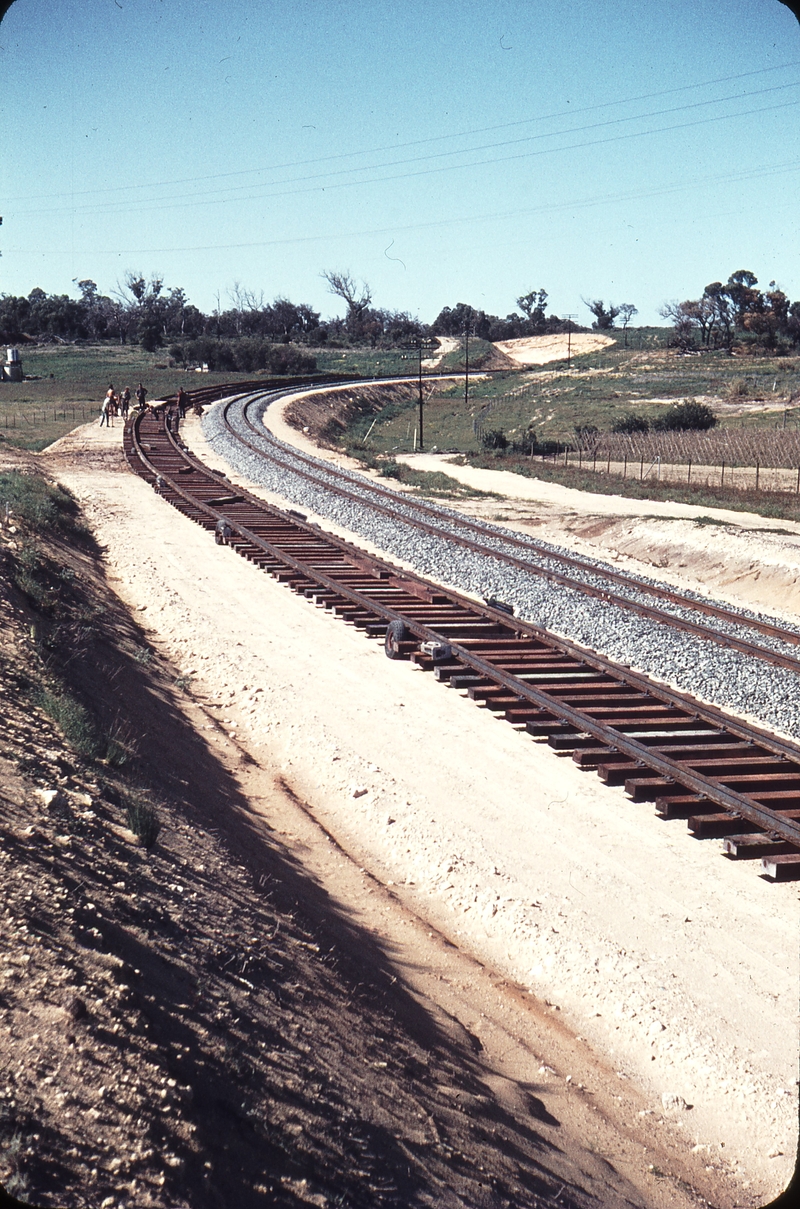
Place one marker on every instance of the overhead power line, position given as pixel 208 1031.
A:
pixel 157 204
pixel 430 139
pixel 496 216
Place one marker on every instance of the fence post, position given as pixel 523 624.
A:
pixel 758 471
pixel 608 467
pixel 641 471
pixel 625 468
pixel 722 475
pixel 689 475
pixel 797 488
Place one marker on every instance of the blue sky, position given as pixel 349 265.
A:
pixel 441 151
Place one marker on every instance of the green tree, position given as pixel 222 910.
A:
pixel 533 306
pixel 604 316
pixel 456 320
pixel 626 312
pixel 744 297
pixel 358 297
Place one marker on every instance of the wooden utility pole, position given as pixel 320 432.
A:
pixel 569 319
pixel 467 324
pixel 421 346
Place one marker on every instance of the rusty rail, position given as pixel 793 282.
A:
pixel 385 499
pixel 730 779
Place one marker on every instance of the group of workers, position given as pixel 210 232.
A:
pixel 119 404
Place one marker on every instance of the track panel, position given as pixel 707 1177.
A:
pixel 728 779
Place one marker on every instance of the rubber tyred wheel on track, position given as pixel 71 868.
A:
pixel 395 634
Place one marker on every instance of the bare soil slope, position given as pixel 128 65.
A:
pixel 541 350
pixel 241 1015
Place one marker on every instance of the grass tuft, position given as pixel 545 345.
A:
pixel 143 820
pixel 117 746
pixel 72 719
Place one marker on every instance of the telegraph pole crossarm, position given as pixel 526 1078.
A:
pixel 569 321
pixel 420 346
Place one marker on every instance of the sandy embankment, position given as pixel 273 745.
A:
pixel 541 350
pixel 677 968
pixel 532 350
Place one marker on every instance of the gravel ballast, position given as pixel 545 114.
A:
pixel 719 676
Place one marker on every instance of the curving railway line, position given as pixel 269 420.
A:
pixel 727 778
pixel 727 627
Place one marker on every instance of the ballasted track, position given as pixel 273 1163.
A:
pixel 265 445
pixel 730 780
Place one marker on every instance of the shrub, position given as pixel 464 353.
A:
pixel 630 423
pixel 284 359
pixel 494 438
pixel 30 576
pixel 587 435
pixel 689 415
pixel 247 354
pixel 527 444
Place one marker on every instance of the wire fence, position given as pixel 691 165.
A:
pixel 36 417
pixel 777 448
pixel 648 467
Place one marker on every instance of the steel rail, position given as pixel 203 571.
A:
pixel 675 597
pixel 660 616
pixel 739 805
pixel 638 681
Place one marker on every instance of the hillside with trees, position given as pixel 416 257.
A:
pixel 144 311
pixel 736 310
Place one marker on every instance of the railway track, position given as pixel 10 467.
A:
pixel 726 627
pixel 728 779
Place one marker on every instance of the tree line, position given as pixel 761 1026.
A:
pixel 145 311
pixel 735 310
pixel 240 333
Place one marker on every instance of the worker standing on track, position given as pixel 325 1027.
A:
pixel 107 408
pixel 181 403
pixel 141 397
pixel 124 402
